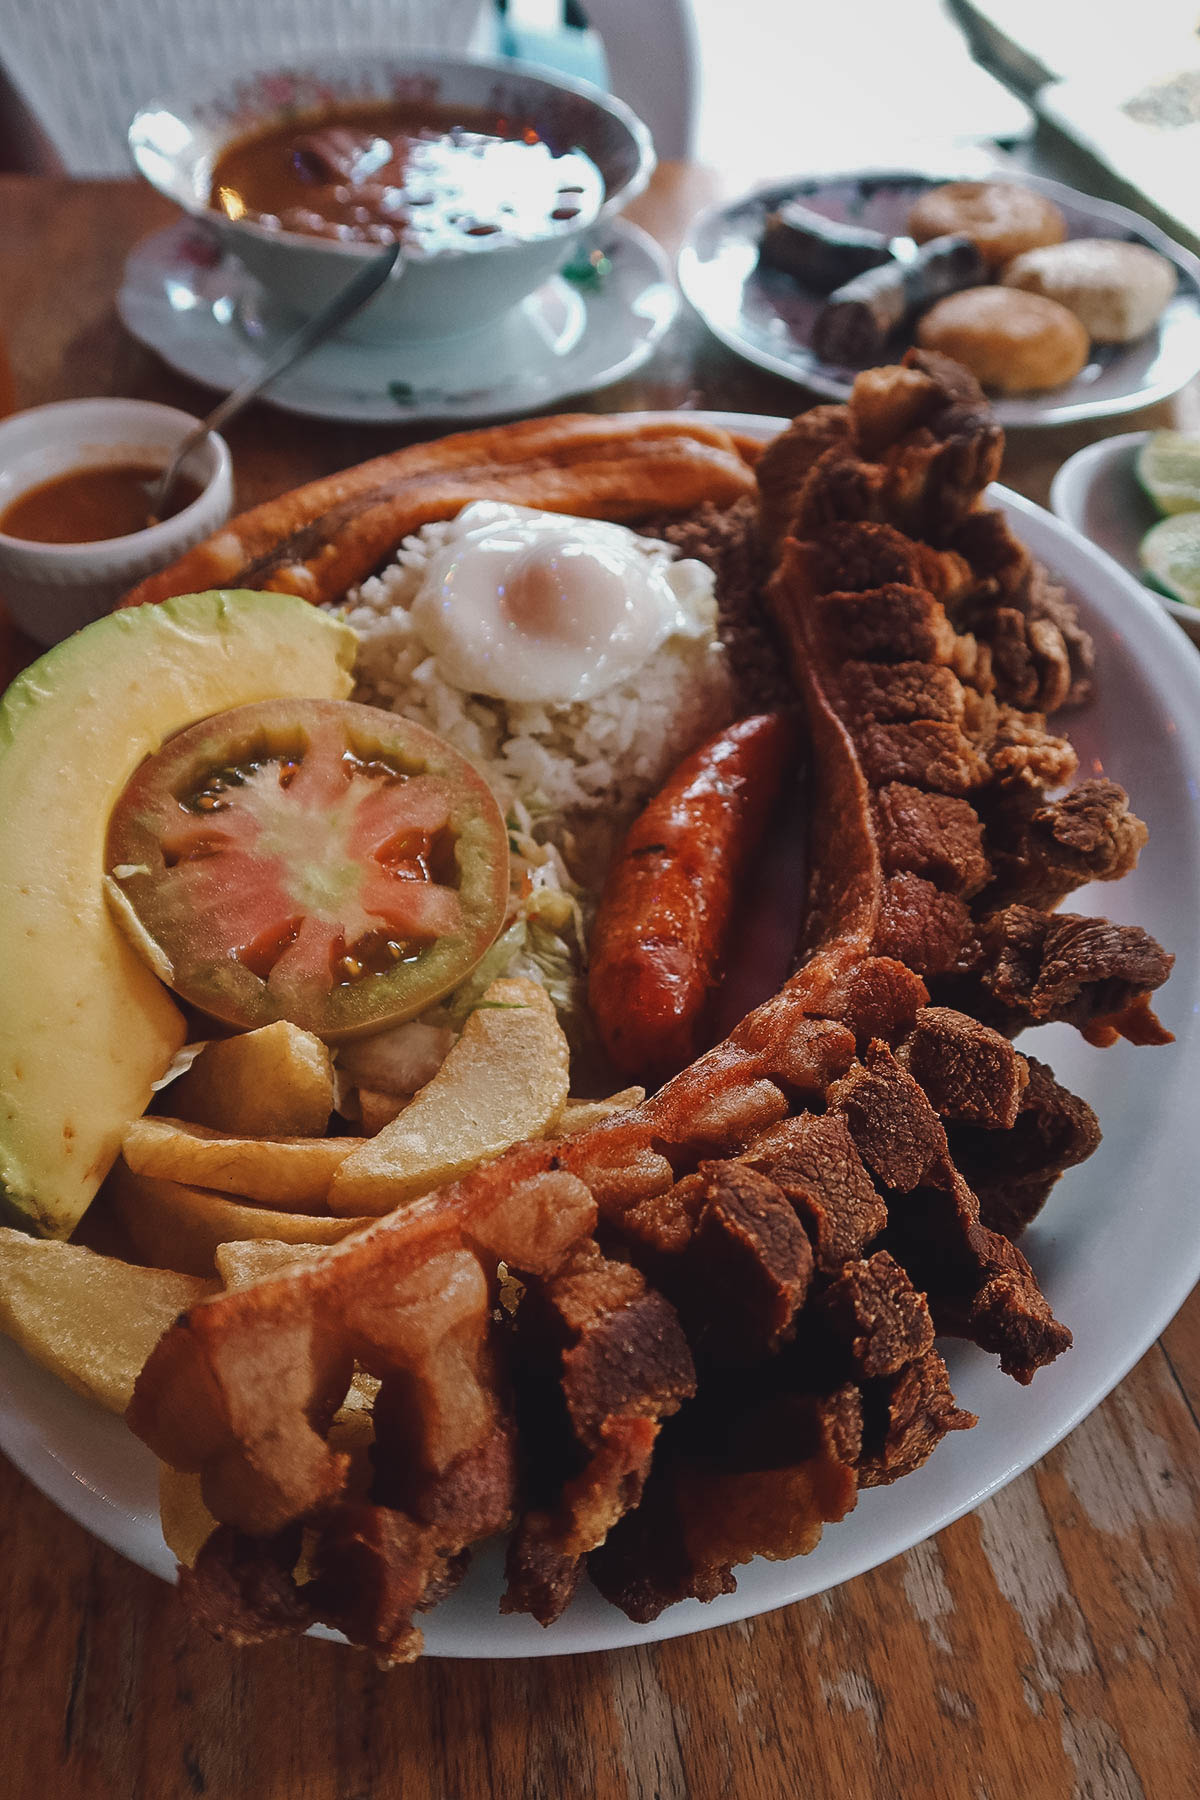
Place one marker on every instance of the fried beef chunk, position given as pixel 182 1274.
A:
pixel 1033 968
pixel 978 1285
pixel 812 1160
pixel 969 1073
pixel 374 1568
pixel 731 1481
pixel 895 1130
pixel 873 1308
pixel 1051 656
pixel 1042 850
pixel 241 1588
pixel 1012 1172
pixel 921 926
pixel 905 1418
pixel 599 1361
pixel 932 835
pixel 749 1266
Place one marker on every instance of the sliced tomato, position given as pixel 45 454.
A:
pixel 309 860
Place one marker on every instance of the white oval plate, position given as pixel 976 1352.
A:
pixel 1116 1250
pixel 190 300
pixel 766 316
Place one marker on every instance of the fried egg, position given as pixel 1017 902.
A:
pixel 542 607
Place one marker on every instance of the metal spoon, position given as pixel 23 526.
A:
pixel 354 295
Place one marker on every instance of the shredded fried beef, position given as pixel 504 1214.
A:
pixel 729 541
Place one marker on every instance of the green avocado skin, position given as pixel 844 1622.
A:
pixel 21 1217
pixel 85 1027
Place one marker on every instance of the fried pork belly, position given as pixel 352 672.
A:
pixel 920 448
pixel 824 432
pixel 932 723
pixel 731 1291
pixel 267 1371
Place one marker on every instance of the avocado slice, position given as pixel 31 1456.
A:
pixel 85 1027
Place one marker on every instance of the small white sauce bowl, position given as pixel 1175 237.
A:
pixel 51 590
pixel 1098 492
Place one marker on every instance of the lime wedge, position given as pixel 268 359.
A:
pixel 1168 467
pixel 1170 557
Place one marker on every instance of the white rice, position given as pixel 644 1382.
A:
pixel 582 767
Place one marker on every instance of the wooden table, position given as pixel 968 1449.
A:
pixel 1046 1647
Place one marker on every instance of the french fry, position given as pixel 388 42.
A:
pixel 578 1115
pixel 88 1318
pixel 291 1173
pixel 276 1082
pixel 504 1080
pixel 244 1260
pixel 176 1226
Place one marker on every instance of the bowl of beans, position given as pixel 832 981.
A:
pixel 488 173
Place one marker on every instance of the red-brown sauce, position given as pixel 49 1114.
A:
pixel 434 178
pixel 84 506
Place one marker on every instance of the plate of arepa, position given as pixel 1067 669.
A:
pixel 1076 309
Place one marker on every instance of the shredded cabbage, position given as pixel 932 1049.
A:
pixel 545 938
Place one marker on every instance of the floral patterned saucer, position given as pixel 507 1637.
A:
pixel 185 297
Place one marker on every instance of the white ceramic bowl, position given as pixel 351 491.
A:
pixel 1098 493
pixel 440 295
pixel 51 590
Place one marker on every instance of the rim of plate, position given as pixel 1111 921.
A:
pixel 890 1521
pixel 1017 413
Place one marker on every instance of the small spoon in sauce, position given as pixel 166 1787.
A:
pixel 343 306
